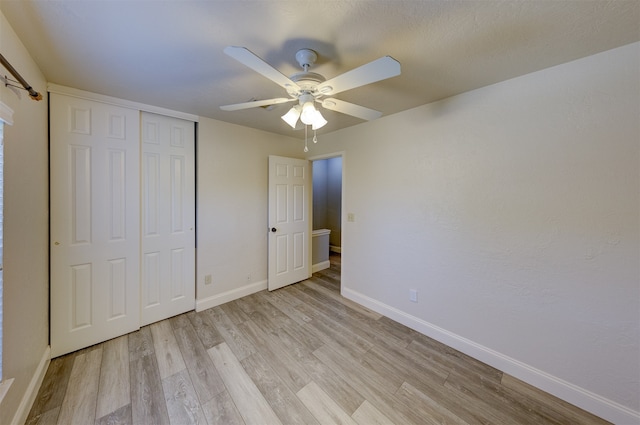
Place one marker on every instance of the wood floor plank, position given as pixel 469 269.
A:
pixel 122 416
pixel 251 404
pixel 183 405
pixel 316 284
pixel 357 320
pixel 291 372
pixel 273 314
pixel 334 267
pixel 367 414
pixel 54 386
pixel 342 392
pixel 337 335
pixel 79 404
pixel 114 388
pixel 398 329
pixel 248 304
pixel 288 309
pixel 178 321
pixel 166 349
pixel 208 334
pixel 205 378
pixel 498 396
pixel 435 352
pixel 48 417
pixel 234 312
pixel 148 405
pixel 286 295
pixel 320 302
pixel 298 333
pixel 271 317
pixel 561 409
pixel 351 368
pixel 377 389
pixel 467 406
pixel 263 322
pixel 333 302
pixel 403 365
pixel 234 338
pixel 282 400
pixel 332 274
pixel 222 410
pixel 430 410
pixel 323 407
pixel 140 343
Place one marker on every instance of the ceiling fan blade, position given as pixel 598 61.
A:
pixel 247 58
pixel 379 69
pixel 351 109
pixel 256 103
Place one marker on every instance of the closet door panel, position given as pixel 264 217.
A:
pixel 95 216
pixel 168 212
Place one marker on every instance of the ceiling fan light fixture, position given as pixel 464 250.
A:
pixel 318 121
pixel 311 116
pixel 308 115
pixel 292 116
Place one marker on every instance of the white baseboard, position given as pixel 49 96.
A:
pixel 584 399
pixel 32 390
pixel 231 295
pixel 320 266
pixel 337 249
pixel 4 388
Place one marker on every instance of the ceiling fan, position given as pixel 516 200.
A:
pixel 308 88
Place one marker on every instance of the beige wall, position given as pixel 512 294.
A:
pixel 26 282
pixel 514 211
pixel 232 210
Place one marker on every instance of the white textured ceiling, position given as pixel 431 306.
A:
pixel 170 53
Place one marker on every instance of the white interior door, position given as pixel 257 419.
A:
pixel 168 217
pixel 289 221
pixel 95 222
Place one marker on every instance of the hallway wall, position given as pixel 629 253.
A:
pixel 327 198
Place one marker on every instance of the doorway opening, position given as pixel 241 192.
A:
pixel 327 178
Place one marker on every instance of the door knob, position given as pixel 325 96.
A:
pixel 273 229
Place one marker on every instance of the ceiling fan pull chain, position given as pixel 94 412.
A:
pixel 306 148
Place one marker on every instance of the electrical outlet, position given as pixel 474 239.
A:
pixel 351 217
pixel 413 295
pixel 207 279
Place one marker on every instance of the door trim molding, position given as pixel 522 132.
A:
pixel 70 91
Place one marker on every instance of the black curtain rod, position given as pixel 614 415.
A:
pixel 32 93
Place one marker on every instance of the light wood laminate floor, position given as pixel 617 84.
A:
pixel 298 355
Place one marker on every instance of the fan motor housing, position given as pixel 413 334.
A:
pixel 308 81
